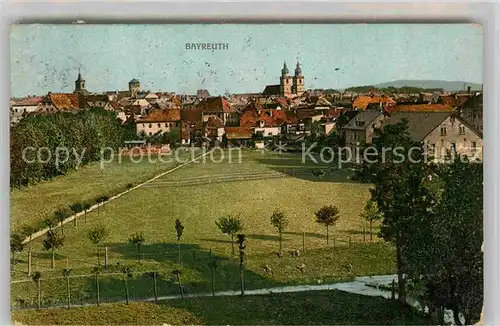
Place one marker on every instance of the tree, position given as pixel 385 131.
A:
pixel 154 276
pixel 137 239
pixel 86 208
pixel 96 235
pixel 16 245
pixel 230 225
pixel 28 231
pixel 67 273
pixel 328 216
pixel 179 228
pixel 96 271
pixel 59 216
pixel 241 246
pixel 76 208
pixel 177 273
pixel 213 266
pixel 453 268
pixel 280 222
pixel 51 242
pixel 127 273
pixel 371 214
pixel 36 277
pixel 402 195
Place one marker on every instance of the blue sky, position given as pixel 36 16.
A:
pixel 47 57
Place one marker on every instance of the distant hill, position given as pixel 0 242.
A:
pixel 431 84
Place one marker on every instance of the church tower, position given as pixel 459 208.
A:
pixel 285 82
pixel 134 87
pixel 298 81
pixel 80 84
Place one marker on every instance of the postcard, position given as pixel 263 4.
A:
pixel 246 174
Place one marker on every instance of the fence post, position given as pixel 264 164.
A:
pixel 210 253
pixel 333 243
pixel 393 290
pixel 106 257
pixel 303 241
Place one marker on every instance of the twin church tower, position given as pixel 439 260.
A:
pixel 291 86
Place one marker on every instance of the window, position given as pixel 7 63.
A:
pixel 473 146
pixel 177 124
pixel 432 148
pixel 150 133
pixel 443 131
pixel 462 129
pixel 159 125
pixel 453 148
pixel 150 125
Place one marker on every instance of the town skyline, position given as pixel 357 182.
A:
pixel 251 61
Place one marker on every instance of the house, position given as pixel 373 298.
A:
pixel 220 108
pixel 214 129
pixel 23 107
pixel 97 101
pixel 441 133
pixel 359 130
pixel 159 121
pixel 472 112
pixel 238 135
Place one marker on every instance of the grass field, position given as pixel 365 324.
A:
pixel 200 193
pixel 302 308
pixel 33 204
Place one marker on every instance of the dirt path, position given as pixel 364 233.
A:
pixel 77 215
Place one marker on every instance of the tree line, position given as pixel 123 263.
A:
pixel 433 214
pixel 35 140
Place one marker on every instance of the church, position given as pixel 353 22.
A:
pixel 289 86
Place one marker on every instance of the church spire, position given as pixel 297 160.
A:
pixel 298 71
pixel 284 71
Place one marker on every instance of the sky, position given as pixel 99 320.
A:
pixel 47 57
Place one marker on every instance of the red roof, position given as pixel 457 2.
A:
pixel 420 108
pixel 191 114
pixel 162 116
pixel 362 101
pixel 215 104
pixel 214 122
pixel 271 118
pixel 64 101
pixel 29 101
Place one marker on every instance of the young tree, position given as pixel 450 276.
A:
pixel 137 239
pixel 179 229
pixel 127 273
pixel 36 277
pixel 28 231
pixel 76 208
pixel 280 222
pixel 177 273
pixel 213 266
pixel 67 273
pixel 85 208
pixel 96 235
pixel 16 245
pixel 371 214
pixel 328 216
pixel 96 271
pixel 241 247
pixel 59 216
pixel 51 242
pixel 154 276
pixel 230 225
